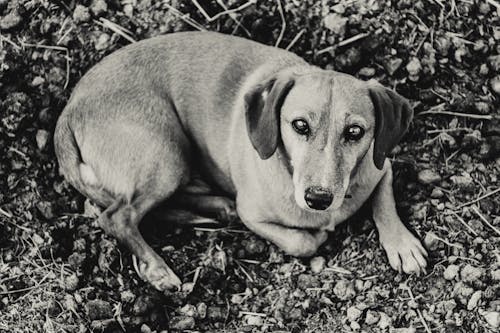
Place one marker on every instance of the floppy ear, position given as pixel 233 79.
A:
pixel 393 114
pixel 262 112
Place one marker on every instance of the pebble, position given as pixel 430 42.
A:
pixel 494 62
pixel 474 300
pixel 253 320
pixel 46 208
pixel 102 42
pixel 372 317
pixel 81 14
pixel 11 20
pixel 367 72
pixel 37 80
pixel 99 7
pixel 188 310
pixel 392 65
pixel 42 138
pixel 71 282
pixel 336 23
pixel 307 281
pixel 142 304
pixel 384 321
pixel 413 68
pixel 431 241
pixel 344 290
pixel 182 323
pixel 99 309
pixel 353 313
pixel 495 275
pixel 437 193
pixel 403 330
pixel 462 181
pixel 428 176
pixel 492 318
pixel 201 309
pixel 451 272
pixel 495 84
pixel 317 264
pixel 127 296
pixel 471 274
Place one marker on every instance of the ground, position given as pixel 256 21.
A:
pixel 60 273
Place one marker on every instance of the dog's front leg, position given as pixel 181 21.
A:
pixel 404 250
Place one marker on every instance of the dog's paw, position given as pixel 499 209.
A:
pixel 404 252
pixel 304 243
pixel 227 211
pixel 158 274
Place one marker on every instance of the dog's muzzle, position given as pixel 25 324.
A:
pixel 318 198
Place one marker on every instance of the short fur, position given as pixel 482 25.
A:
pixel 150 117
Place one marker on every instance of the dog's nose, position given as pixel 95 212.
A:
pixel 318 198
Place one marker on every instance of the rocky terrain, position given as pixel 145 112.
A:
pixel 60 273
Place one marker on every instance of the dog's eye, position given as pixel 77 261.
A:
pixel 354 133
pixel 300 126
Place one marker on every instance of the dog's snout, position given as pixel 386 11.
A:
pixel 318 198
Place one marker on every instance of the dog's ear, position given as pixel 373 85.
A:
pixel 262 112
pixel 393 115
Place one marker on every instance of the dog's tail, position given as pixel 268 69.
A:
pixel 75 170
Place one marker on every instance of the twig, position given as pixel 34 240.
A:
pixel 295 39
pixel 494 3
pixel 184 17
pixel 283 24
pixel 116 29
pixel 3 38
pixel 427 329
pixel 234 17
pixel 457 114
pixel 447 130
pixel 253 313
pixel 8 292
pixel 481 216
pixel 480 198
pixel 338 270
pixel 461 220
pixel 7 214
pixel 225 12
pixel 344 42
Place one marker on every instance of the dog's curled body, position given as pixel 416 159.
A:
pixel 147 117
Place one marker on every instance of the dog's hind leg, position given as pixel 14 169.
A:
pixel 121 220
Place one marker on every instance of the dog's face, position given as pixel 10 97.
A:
pixel 325 122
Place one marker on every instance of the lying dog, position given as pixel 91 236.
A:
pixel 300 148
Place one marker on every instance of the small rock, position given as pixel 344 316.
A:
pixel 353 313
pixel 344 290
pixel 474 299
pixel 145 329
pixel 201 309
pixel 81 14
pixel 102 42
pixel 495 275
pixel 367 72
pixel 414 67
pixel 42 137
pixel 495 84
pixel 99 7
pixel 11 20
pixel 216 313
pixel 71 282
pixel 188 310
pixel 317 264
pixel 428 176
pixel 37 80
pixel 492 318
pixel 46 208
pixel 253 320
pixel 142 304
pixel 403 330
pixel 431 241
pixel 336 23
pixel 437 193
pixel 465 180
pixel 99 309
pixel 127 296
pixel 355 326
pixel 392 65
pixel 451 272
pixel 307 281
pixel 494 62
pixel 182 323
pixel 372 317
pixel 471 274
pixel 384 321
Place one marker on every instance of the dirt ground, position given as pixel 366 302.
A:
pixel 60 273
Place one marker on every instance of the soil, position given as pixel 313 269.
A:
pixel 60 273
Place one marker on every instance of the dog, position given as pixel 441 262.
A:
pixel 298 147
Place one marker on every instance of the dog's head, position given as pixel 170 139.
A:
pixel 326 123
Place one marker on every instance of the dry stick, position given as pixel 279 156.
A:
pixel 233 16
pixel 295 39
pixel 185 17
pixel 447 130
pixel 480 198
pixel 344 42
pixel 427 329
pixel 457 114
pixel 225 12
pixel 3 38
pixel 283 24
pixel 116 29
pixel 461 220
pixel 481 216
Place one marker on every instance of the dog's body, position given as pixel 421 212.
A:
pixel 147 118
